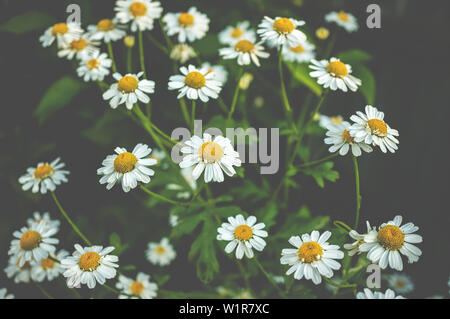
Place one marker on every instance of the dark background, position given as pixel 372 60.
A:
pixel 411 68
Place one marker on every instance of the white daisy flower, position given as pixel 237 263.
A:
pixel 300 53
pixel 127 168
pixel 220 72
pixel 245 51
pixel 33 243
pixel 94 67
pixel 44 177
pixel 159 156
pixel 371 128
pixel 195 84
pixel 106 30
pixel 5 295
pixel 343 19
pixel 190 26
pixel 140 13
pixel 129 90
pixel 139 288
pixel 45 217
pixel 182 53
pixel 368 294
pixel 325 121
pixel 280 30
pixel 232 34
pixel 384 247
pixel 20 273
pixel 359 239
pixel 400 283
pixel 313 257
pixel 334 74
pixel 63 33
pixel 89 265
pixel 340 138
pixel 187 174
pixel 161 253
pixel 48 267
pixel 80 48
pixel 244 234
pixel 211 156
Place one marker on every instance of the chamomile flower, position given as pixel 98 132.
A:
pixel 195 84
pixel 400 283
pixel 220 72
pixel 161 253
pixel 325 121
pixel 4 294
pixel 312 258
pixel 48 267
pixel 359 239
pixel 243 235
pixel 334 74
pixel 89 265
pixel 127 168
pixel 340 138
pixel 139 288
pixel 106 30
pixel 80 48
pixel 368 294
pixel 300 53
pixel 343 19
pixel 241 31
pixel 281 30
pixel 245 51
pixel 129 89
pixel 385 246
pixel 371 128
pixel 211 156
pixel 20 273
pixel 190 26
pixel 94 67
pixel 44 217
pixel 63 33
pixel 43 177
pixel 34 243
pixel 140 13
pixel 182 53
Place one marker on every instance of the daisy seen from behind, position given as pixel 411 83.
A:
pixel 49 268
pixel 278 31
pixel 127 168
pixel 140 14
pixel 190 26
pixel 139 288
pixel 89 265
pixel 161 253
pixel 301 53
pixel 312 257
pixel 343 19
pixel 338 135
pixel 94 67
pixel 242 235
pixel 334 74
pixel 45 217
pixel 63 33
pixel 241 31
pixel 245 51
pixel 106 30
pixel 353 248
pixel 368 294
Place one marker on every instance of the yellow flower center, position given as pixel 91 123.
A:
pixel 47 263
pixel 78 45
pixel 377 126
pixel 43 171
pixel 237 33
pixel 244 46
pixel 127 84
pixel 93 64
pixel 336 119
pixel 105 25
pixel 160 250
pixel 391 237
pixel 89 261
pixel 400 283
pixel 210 152
pixel 30 240
pixel 60 28
pixel 185 19
pixel 138 9
pixel 347 137
pixel 337 68
pixel 129 41
pixel 195 80
pixel 136 288
pixel 283 25
pixel 322 33
pixel 125 162
pixel 310 252
pixel 243 232
pixel 297 49
pixel 343 16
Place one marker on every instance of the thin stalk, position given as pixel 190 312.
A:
pixel 163 198
pixel 141 53
pixel 342 225
pixel 157 44
pixel 235 96
pixel 272 282
pixel 358 193
pixel 319 160
pixel 44 292
pixel 185 112
pixel 111 56
pixel 193 115
pixel 129 60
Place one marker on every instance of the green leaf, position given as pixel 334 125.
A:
pixel 128 267
pixel 354 56
pixel 301 74
pixel 322 172
pixel 368 87
pixel 27 22
pixel 114 240
pixel 187 225
pixel 58 95
pixel 358 269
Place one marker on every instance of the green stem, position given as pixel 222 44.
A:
pixel 335 284
pixel 245 276
pixel 329 48
pixel 283 87
pixel 44 292
pixel 358 193
pixel 235 95
pixel 111 56
pixel 222 105
pixel 319 160
pixel 75 228
pixel 185 112
pixel 281 292
pixel 168 41
pixel 342 225
pixel 163 198
pixel 129 60
pixel 141 53
pixel 157 44
pixel 193 115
